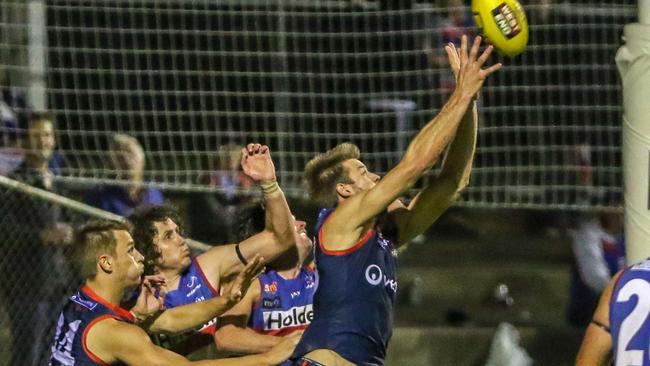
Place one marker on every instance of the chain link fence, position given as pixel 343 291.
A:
pixel 36 229
pixel 38 274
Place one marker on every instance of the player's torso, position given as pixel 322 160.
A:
pixel 83 310
pixel 353 305
pixel 193 287
pixel 629 316
pixel 285 305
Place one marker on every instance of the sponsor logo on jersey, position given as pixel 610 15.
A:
pixel 192 281
pixel 271 288
pixel 88 304
pixel 194 290
pixel 310 281
pixel 295 294
pixel 272 303
pixel 376 277
pixel 298 315
pixel 386 245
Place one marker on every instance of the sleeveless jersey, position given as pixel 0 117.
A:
pixel 83 310
pixel 629 313
pixel 284 305
pixel 353 305
pixel 193 287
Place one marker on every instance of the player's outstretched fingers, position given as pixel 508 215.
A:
pixel 463 50
pixel 484 56
pixel 475 47
pixel 249 148
pixel 492 69
pixel 264 149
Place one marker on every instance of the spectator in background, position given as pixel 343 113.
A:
pixel 454 21
pixel 36 276
pixel 599 253
pixel 597 244
pixel 128 160
pixel 11 155
pixel 213 215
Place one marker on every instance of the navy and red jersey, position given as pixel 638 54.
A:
pixel 353 305
pixel 629 316
pixel 193 287
pixel 83 310
pixel 285 305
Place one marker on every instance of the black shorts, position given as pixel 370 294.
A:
pixel 306 362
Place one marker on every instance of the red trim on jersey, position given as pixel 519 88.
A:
pixel 205 279
pixel 284 331
pixel 118 310
pixel 356 246
pixel 85 333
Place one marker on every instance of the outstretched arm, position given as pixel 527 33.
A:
pixel 454 175
pixel 182 318
pixel 596 348
pixel 223 261
pixel 423 152
pixel 114 341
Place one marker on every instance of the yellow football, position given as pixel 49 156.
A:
pixel 503 23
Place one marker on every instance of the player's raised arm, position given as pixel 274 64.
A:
pixel 425 149
pixel 596 347
pixel 454 175
pixel 277 236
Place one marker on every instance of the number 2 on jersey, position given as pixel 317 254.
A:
pixel 630 326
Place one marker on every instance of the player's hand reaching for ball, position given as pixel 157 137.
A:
pixel 257 164
pixel 468 66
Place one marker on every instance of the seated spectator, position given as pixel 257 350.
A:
pixel 128 160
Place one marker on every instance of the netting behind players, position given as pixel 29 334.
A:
pixel 186 77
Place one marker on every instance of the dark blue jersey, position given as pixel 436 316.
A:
pixel 353 305
pixel 193 287
pixel 629 316
pixel 83 310
pixel 284 305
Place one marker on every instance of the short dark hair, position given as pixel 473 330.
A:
pixel 35 116
pixel 92 240
pixel 144 231
pixel 325 171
